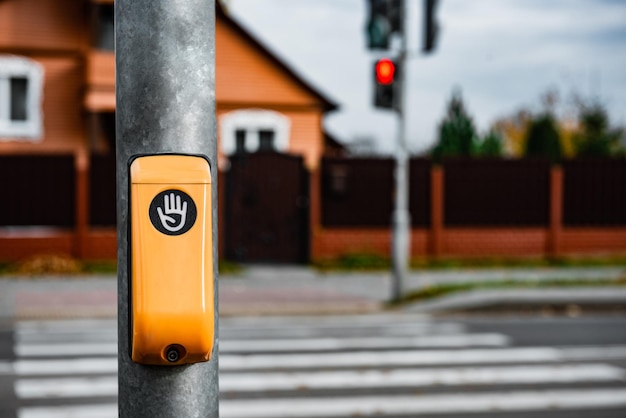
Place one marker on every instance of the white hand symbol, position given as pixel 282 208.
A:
pixel 173 207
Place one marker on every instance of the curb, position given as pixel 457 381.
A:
pixel 294 309
pixel 605 298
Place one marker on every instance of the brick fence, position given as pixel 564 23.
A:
pixel 474 208
pixel 462 208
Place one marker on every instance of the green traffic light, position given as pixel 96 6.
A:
pixel 378 33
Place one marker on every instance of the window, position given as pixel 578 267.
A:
pixel 253 130
pixel 104 36
pixel 266 140
pixel 20 98
pixel 240 139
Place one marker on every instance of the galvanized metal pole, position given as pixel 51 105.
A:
pixel 401 218
pixel 165 75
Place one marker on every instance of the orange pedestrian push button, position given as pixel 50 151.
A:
pixel 171 253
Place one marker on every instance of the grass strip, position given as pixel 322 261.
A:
pixel 444 289
pixel 373 262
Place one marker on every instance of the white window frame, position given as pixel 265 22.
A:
pixel 252 121
pixel 31 128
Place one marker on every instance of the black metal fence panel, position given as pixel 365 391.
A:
pixel 102 194
pixel 40 190
pixel 357 192
pixel 594 192
pixel 37 190
pixel 419 192
pixel 496 192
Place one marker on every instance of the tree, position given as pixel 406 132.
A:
pixel 542 137
pixel 595 138
pixel 457 135
pixel 513 130
pixel 515 127
pixel 491 145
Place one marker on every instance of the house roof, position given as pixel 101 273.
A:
pixel 333 146
pixel 223 15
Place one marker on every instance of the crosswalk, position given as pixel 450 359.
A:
pixel 347 366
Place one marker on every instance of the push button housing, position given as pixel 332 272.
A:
pixel 171 246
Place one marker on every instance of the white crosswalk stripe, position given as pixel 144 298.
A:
pixel 64 387
pixel 107 386
pixel 411 358
pixel 82 365
pixel 310 345
pixel 420 378
pixel 424 405
pixel 331 367
pixel 91 411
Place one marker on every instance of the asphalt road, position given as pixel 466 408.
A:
pixel 392 365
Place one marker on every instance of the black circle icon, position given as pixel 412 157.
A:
pixel 173 212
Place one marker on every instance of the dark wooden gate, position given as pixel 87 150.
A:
pixel 267 209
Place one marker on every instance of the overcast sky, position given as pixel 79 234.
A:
pixel 502 54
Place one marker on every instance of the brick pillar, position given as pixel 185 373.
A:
pixel 221 213
pixel 556 211
pixel 436 210
pixel 315 211
pixel 81 167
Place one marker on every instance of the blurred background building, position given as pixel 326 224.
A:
pixel 288 192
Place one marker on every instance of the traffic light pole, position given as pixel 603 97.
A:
pixel 165 92
pixel 401 218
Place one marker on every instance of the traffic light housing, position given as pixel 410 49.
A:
pixel 384 20
pixel 385 80
pixel 431 27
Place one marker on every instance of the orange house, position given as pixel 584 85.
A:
pixel 57 124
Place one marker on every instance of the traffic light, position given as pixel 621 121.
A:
pixel 431 27
pixel 385 76
pixel 384 19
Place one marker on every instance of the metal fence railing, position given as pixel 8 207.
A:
pixel 496 192
pixel 41 190
pixel 594 192
pixel 37 190
pixel 476 192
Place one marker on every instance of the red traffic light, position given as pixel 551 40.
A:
pixel 385 71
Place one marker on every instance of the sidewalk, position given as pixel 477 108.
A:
pixel 370 291
pixel 264 290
